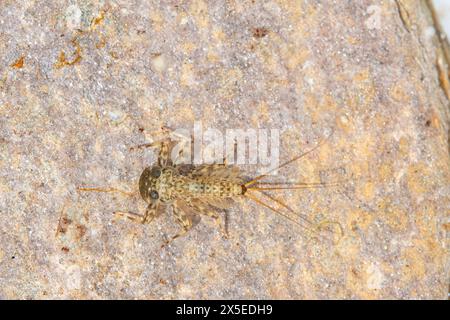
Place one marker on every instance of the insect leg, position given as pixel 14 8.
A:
pixel 150 213
pixel 206 207
pixel 177 142
pixel 166 144
pixel 186 222
pixel 164 150
pixel 138 218
pixel 183 149
pixel 218 220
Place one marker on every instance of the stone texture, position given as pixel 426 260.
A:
pixel 82 81
pixel 443 10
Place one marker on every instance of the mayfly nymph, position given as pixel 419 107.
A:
pixel 192 191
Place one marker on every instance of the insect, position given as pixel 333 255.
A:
pixel 193 191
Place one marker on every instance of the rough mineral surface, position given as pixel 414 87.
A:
pixel 83 81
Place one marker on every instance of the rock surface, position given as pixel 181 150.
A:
pixel 81 82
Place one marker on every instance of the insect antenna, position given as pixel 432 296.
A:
pixel 321 143
pixel 107 190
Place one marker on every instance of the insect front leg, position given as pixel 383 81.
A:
pixel 166 145
pixel 174 149
pixel 165 148
pixel 150 213
pixel 135 217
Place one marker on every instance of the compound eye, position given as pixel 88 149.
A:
pixel 155 172
pixel 154 195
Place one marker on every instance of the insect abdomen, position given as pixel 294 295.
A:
pixel 220 189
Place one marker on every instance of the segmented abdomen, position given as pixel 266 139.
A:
pixel 220 189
